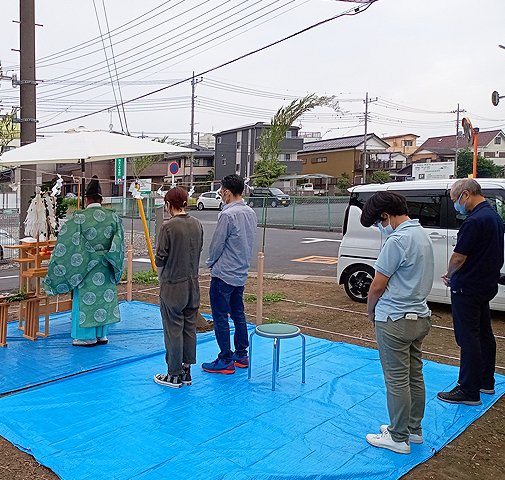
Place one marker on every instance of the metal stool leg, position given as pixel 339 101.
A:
pixel 274 364
pixel 250 355
pixel 303 358
pixel 278 352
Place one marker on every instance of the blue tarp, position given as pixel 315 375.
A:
pixel 25 363
pixel 116 423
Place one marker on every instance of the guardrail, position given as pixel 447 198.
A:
pixel 303 212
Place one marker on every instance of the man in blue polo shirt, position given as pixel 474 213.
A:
pixel 472 275
pixel 397 306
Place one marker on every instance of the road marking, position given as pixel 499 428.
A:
pixel 10 276
pixel 142 260
pixel 315 240
pixel 317 259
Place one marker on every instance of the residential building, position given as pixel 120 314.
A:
pixel 490 144
pixel 405 143
pixel 344 155
pixel 237 150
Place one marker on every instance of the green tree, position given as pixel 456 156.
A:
pixel 8 129
pixel 343 181
pixel 486 168
pixel 268 169
pixel 380 176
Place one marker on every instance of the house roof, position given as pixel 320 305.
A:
pixel 404 135
pixel 251 125
pixel 447 143
pixel 339 143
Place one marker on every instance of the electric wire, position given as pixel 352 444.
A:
pixel 350 12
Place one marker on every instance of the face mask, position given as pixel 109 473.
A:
pixel 387 230
pixel 460 208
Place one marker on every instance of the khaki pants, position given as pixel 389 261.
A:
pixel 400 351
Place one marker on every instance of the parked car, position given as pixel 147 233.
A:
pixel 6 239
pixel 275 197
pixel 430 202
pixel 209 200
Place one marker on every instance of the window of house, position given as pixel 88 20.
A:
pixel 237 168
pixel 497 141
pixel 288 134
pixel 223 161
pixel 304 161
pixel 238 145
pixel 408 143
pixel 399 165
pixel 319 160
pixel 287 157
pixel 219 139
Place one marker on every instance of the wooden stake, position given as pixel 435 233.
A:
pixel 129 285
pixel 259 295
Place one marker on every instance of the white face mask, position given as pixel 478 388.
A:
pixel 387 230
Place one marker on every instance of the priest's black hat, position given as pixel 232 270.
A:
pixel 93 188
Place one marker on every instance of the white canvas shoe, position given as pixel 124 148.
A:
pixel 384 440
pixel 414 437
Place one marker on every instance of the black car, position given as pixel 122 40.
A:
pixel 275 197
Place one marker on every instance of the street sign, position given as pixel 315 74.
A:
pixel 145 185
pixel 174 168
pixel 119 171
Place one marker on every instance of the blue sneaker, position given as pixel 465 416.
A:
pixel 218 366
pixel 240 362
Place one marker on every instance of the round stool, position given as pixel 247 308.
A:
pixel 277 331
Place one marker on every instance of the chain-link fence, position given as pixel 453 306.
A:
pixel 303 212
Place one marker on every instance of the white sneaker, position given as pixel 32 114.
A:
pixel 84 343
pixel 384 440
pixel 414 437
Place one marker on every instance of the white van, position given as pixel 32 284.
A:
pixel 430 202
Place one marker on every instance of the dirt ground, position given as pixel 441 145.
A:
pixel 323 310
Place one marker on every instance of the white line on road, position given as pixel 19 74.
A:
pixel 10 276
pixel 142 260
pixel 315 240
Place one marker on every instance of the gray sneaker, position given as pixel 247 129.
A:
pixel 384 440
pixel 413 437
pixel 186 376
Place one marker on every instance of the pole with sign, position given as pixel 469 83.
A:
pixel 173 168
pixel 119 171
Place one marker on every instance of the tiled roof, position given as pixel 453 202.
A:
pixel 448 142
pixel 336 143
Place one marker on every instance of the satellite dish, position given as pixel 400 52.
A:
pixel 467 128
pixel 495 98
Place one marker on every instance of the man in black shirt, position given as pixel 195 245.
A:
pixel 472 275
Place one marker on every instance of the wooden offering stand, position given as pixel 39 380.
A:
pixel 31 255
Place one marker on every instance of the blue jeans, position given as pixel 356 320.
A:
pixel 226 299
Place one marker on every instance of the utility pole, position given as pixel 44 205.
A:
pixel 28 113
pixel 457 112
pixel 193 85
pixel 366 132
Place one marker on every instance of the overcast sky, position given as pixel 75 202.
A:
pixel 415 57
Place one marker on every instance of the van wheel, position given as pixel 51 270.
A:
pixel 357 282
pixel 200 206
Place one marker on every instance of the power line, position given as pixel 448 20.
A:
pixel 350 12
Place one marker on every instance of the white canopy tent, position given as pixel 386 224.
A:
pixel 81 145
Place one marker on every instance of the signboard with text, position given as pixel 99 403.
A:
pixel 145 185
pixel 430 171
pixel 119 171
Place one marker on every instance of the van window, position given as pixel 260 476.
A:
pixel 495 198
pixel 425 205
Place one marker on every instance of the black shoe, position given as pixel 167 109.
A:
pixel 167 380
pixel 186 375
pixel 457 396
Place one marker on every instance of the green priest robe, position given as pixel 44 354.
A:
pixel 88 256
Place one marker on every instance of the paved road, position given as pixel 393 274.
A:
pixel 284 248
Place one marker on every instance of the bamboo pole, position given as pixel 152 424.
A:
pixel 259 295
pixel 146 233
pixel 129 284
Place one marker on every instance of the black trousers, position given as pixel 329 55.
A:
pixel 474 335
pixel 179 304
